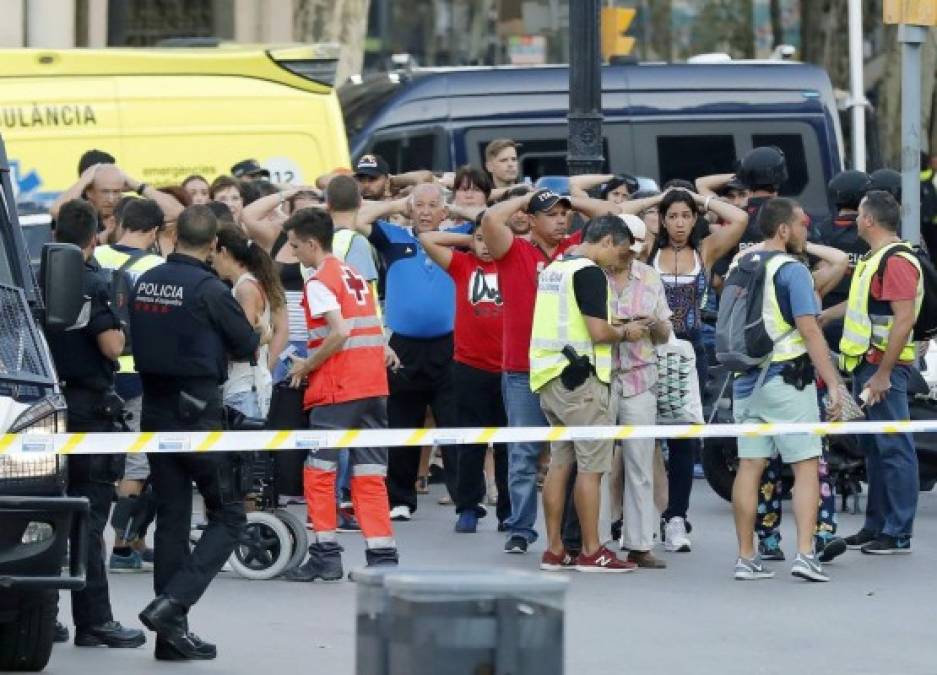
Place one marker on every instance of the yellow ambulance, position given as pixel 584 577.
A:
pixel 170 112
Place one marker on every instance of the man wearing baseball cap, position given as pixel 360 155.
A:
pixel 372 174
pixel 639 303
pixel 249 169
pixel 520 260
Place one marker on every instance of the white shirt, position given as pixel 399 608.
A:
pixel 319 299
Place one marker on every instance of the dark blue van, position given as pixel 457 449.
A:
pixel 661 120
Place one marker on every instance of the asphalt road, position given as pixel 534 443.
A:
pixel 878 616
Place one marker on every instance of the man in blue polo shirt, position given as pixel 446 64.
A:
pixel 420 313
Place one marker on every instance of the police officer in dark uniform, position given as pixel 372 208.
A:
pixel 846 190
pixel 763 171
pixel 185 325
pixel 85 358
pixel 888 180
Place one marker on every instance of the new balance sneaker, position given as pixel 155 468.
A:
pixel 769 548
pixel 551 562
pixel 885 545
pixel 401 513
pixel 828 548
pixel 750 569
pixel 467 522
pixel 856 541
pixel 125 564
pixel 515 544
pixel 603 561
pixel 809 568
pixel 675 536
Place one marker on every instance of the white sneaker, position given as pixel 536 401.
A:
pixel 401 513
pixel 675 537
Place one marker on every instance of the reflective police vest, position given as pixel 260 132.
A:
pixel 110 258
pixel 788 342
pixel 357 370
pixel 868 322
pixel 558 322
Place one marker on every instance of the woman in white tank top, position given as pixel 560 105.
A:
pixel 257 288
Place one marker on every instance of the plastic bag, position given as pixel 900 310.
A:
pixel 678 390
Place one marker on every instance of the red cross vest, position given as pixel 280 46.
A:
pixel 357 371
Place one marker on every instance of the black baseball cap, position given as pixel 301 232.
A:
pixel 249 167
pixel 544 200
pixel 371 165
pixel 734 185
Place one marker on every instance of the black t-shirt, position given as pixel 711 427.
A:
pixel 78 359
pixel 591 289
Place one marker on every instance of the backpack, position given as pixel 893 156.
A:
pixel 925 328
pixel 121 288
pixel 742 341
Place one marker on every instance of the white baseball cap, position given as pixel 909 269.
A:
pixel 638 231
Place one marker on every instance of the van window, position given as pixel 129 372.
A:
pixel 407 152
pixel 792 145
pixel 689 157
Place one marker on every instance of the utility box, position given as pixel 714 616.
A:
pixel 463 623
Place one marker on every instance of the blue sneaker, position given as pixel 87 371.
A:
pixel 468 522
pixel 124 564
pixel 885 545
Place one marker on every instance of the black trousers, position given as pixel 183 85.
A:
pixel 178 572
pixel 286 413
pixel 91 606
pixel 479 403
pixel 424 380
pixel 92 476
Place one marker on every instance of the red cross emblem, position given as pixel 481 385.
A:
pixel 355 285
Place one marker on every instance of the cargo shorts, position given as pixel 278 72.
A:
pixel 587 405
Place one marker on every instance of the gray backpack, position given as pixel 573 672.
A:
pixel 742 341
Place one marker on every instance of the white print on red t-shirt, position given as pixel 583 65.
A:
pixel 355 285
pixel 483 288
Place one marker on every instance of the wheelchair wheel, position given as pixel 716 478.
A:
pixel 298 535
pixel 264 547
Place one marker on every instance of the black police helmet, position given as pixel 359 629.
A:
pixel 847 188
pixel 888 180
pixel 763 167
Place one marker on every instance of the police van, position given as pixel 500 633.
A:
pixel 660 120
pixel 37 522
pixel 166 113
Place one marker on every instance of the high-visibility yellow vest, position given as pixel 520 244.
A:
pixel 788 342
pixel 110 258
pixel 558 322
pixel 863 330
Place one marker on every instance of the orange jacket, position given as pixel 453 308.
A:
pixel 356 371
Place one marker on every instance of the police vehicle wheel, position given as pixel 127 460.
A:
pixel 298 535
pixel 264 547
pixel 720 461
pixel 26 640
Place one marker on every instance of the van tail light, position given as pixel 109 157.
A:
pixel 318 70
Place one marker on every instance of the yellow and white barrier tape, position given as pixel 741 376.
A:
pixel 216 441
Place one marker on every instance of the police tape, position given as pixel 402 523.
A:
pixel 32 444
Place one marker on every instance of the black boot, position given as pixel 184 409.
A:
pixel 381 556
pixel 174 642
pixel 324 562
pixel 110 634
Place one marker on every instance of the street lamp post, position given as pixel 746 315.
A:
pixel 585 89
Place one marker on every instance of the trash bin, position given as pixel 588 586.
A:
pixel 372 618
pixel 497 623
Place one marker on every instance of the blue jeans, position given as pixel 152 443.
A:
pixel 523 409
pixel 890 459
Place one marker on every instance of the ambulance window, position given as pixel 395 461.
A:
pixel 792 145
pixel 408 152
pixel 689 157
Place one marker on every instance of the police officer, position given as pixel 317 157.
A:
pixel 846 190
pixel 185 325
pixel 85 357
pixel 763 171
pixel 888 180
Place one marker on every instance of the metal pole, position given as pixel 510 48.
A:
pixel 856 84
pixel 585 89
pixel 911 38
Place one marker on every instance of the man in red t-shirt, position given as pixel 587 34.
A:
pixel 519 262
pixel 476 373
